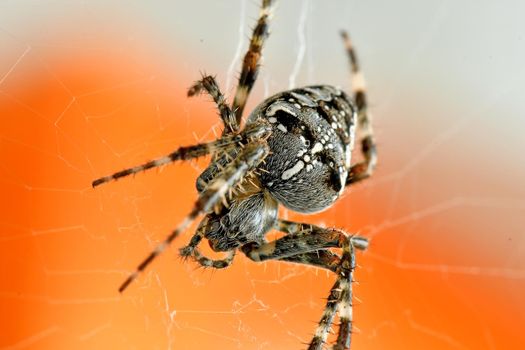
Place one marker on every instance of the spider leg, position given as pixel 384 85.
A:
pixel 216 264
pixel 346 270
pixel 187 250
pixel 250 65
pixel 257 130
pixel 305 239
pixel 330 261
pixel 364 169
pixel 302 238
pixel 209 84
pixel 232 175
pixel 191 250
pixel 321 258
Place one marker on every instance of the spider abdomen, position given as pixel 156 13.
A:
pixel 310 146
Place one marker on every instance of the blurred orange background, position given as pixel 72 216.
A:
pixel 445 269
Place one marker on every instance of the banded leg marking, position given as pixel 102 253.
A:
pixel 364 169
pixel 322 258
pixel 258 130
pixel 250 66
pixel 209 84
pixel 301 244
pixel 215 263
pixel 251 156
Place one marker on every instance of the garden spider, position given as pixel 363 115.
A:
pixel 294 150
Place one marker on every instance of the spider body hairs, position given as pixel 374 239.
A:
pixel 295 150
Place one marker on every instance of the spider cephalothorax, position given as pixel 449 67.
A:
pixel 294 150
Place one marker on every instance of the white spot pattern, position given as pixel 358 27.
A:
pixel 280 106
pixel 293 170
pixel 318 147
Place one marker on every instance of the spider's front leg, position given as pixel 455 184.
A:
pixel 250 65
pixel 259 130
pixel 251 156
pixel 299 246
pixel 209 84
pixel 231 117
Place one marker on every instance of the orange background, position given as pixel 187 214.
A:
pixel 445 269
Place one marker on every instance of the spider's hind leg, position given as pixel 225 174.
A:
pixel 303 241
pixel 321 258
pixel 364 169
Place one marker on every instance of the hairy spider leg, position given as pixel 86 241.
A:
pixel 364 169
pixel 191 250
pixel 320 258
pixel 197 237
pixel 301 238
pixel 250 65
pixel 256 130
pixel 215 263
pixel 344 307
pixel 307 238
pixel 209 84
pixel 233 174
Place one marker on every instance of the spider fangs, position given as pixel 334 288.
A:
pixel 294 150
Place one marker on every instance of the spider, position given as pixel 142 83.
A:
pixel 294 150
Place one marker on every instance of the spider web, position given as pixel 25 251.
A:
pixel 88 88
